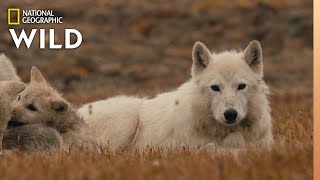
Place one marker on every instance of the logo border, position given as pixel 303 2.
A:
pixel 18 18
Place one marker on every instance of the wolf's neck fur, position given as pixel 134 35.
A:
pixel 70 121
pixel 75 132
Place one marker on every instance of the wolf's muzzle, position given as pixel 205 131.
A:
pixel 15 123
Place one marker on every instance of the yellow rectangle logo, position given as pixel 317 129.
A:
pixel 12 21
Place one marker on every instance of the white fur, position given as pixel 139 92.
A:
pixel 7 70
pixel 10 86
pixel 115 124
pixel 193 114
pixel 40 103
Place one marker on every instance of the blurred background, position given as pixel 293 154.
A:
pixel 144 47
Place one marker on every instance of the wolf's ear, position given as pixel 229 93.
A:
pixel 12 88
pixel 201 57
pixel 253 57
pixel 9 69
pixel 59 106
pixel 36 76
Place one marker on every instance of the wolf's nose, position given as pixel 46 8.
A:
pixel 230 115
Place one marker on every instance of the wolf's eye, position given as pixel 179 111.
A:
pixel 242 86
pixel 32 108
pixel 19 98
pixel 215 88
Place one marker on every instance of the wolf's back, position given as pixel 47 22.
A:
pixel 7 70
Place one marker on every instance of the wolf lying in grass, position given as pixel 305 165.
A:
pixel 8 90
pixel 43 119
pixel 10 86
pixel 224 104
pixel 26 131
pixel 7 70
pixel 28 137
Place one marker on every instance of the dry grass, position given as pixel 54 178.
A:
pixel 278 163
pixel 143 48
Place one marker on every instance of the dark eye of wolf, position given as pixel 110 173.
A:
pixel 215 88
pixel 32 108
pixel 241 86
pixel 19 98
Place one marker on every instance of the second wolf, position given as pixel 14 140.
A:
pixel 10 86
pixel 40 119
pixel 44 120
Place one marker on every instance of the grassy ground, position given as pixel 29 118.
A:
pixel 287 161
pixel 143 48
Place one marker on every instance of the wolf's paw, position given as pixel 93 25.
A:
pixel 234 140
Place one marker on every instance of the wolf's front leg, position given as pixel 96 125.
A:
pixel 233 143
pixel 234 140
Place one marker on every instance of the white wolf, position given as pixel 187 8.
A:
pixel 8 90
pixel 10 86
pixel 224 103
pixel 7 70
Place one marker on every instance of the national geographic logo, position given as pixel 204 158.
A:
pixel 17 16
pixel 13 16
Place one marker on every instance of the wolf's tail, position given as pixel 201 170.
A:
pixel 7 70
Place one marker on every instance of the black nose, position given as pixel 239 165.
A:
pixel 230 115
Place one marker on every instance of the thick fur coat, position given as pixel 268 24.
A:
pixel 10 86
pixel 7 70
pixel 38 118
pixel 224 104
pixel 44 120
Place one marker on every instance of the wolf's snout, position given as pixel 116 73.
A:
pixel 230 115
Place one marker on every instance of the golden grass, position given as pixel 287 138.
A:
pixel 284 161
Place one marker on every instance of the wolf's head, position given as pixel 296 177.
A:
pixel 38 103
pixel 228 81
pixel 8 92
pixel 11 88
pixel 8 89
